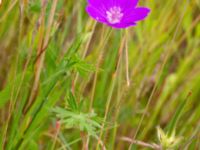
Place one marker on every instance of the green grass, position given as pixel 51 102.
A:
pixel 68 82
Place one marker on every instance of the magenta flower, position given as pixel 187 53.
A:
pixel 116 13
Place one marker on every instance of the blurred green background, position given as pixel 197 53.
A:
pixel 56 63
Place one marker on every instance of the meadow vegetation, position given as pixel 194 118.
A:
pixel 68 82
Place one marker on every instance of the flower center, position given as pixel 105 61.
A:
pixel 114 15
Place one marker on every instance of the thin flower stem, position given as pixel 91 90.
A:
pixel 101 143
pixel 119 96
pixel 84 141
pixel 86 48
pixel 97 71
pixel 113 82
pixel 55 139
pixel 12 104
pixel 159 76
pixel 90 40
pixel 141 143
pixel 43 43
pixel 96 74
pixel 10 107
pixel 127 59
pixel 169 53
pixel 121 89
pixel 40 61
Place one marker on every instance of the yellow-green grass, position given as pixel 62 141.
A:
pixel 111 88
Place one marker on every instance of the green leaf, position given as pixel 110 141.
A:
pixel 35 7
pixel 4 96
pixel 72 102
pixel 172 125
pixel 71 118
pixel 33 145
pixel 82 66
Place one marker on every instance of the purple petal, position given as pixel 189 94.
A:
pixel 95 2
pixel 100 4
pixel 126 4
pixel 136 14
pixel 122 25
pixel 105 11
pixel 96 14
